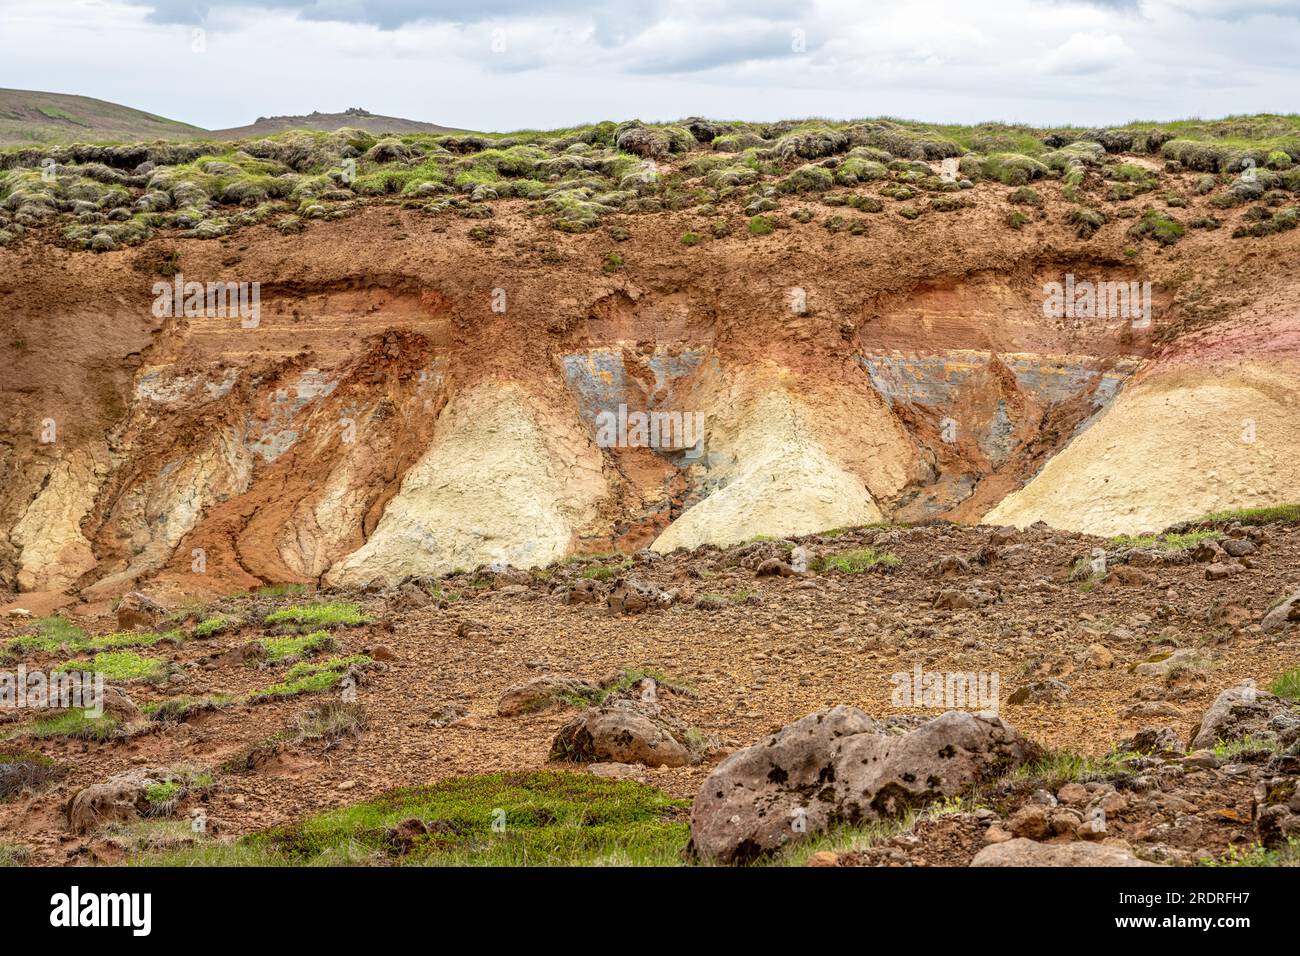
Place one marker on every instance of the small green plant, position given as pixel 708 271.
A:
pixel 613 262
pixel 14 854
pixel 217 624
pixel 331 721
pixel 280 590
pixel 528 819
pixel 691 238
pixel 309 678
pixel 1232 750
pixel 119 666
pixel 1025 196
pixel 180 709
pixel 1254 516
pixel 760 226
pixel 1086 221
pixel 25 770
pixel 1156 225
pixel 1171 541
pixel 1288 685
pixel 1055 768
pixel 75 725
pixel 316 616
pixel 285 648
pixel 1017 220
pixel 161 793
pixel 1288 854
pixel 855 562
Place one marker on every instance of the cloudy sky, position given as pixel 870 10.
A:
pixel 510 64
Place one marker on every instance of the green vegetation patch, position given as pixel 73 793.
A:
pixel 14 854
pixel 1254 516
pixel 55 633
pixel 217 624
pixel 537 819
pixel 74 724
pixel 312 617
pixel 1170 541
pixel 119 666
pixel 1159 226
pixel 25 770
pixel 855 562
pixel 285 648
pixel 1288 685
pixel 308 678
pixel 180 709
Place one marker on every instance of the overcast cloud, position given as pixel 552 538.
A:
pixel 508 64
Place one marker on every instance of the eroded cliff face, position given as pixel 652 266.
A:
pixel 413 402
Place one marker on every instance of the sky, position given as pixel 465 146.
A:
pixel 517 64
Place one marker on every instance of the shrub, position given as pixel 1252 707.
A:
pixel 119 666
pixel 292 648
pixel 1017 220
pixel 807 179
pixel 1013 169
pixel 856 169
pixel 315 616
pixel 855 562
pixel 1086 221
pixel 1154 224
pixel 1025 196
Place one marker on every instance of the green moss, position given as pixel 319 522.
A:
pixel 1013 169
pixel 1025 196
pixel 1086 221
pixel 761 226
pixel 1156 225
pixel 536 819
pixel 807 179
pixel 157 793
pixel 217 624
pixel 282 648
pixel 119 666
pixel 309 678
pixel 316 616
pixel 1017 220
pixel 855 562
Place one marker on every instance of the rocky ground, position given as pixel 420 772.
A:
pixel 1107 656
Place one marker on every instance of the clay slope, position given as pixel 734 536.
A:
pixel 1207 427
pixel 416 400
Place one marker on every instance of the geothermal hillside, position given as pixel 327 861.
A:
pixel 443 321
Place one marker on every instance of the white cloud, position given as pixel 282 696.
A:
pixel 569 61
pixel 1086 53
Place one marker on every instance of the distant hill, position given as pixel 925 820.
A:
pixel 28 117
pixel 355 118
